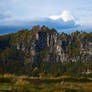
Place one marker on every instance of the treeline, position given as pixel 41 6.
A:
pixel 19 67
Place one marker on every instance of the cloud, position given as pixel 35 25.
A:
pixel 6 15
pixel 58 24
pixel 66 16
pixel 61 22
pixel 64 22
pixel 16 25
pixel 7 18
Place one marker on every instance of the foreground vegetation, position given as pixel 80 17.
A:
pixel 12 83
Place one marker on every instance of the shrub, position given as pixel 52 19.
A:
pixel 21 82
pixel 7 78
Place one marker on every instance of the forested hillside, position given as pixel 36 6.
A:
pixel 44 51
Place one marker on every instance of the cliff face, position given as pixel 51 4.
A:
pixel 86 51
pixel 43 44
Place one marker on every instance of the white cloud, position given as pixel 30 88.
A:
pixel 7 18
pixel 6 15
pixel 55 17
pixel 66 16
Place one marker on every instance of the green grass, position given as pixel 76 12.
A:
pixel 11 83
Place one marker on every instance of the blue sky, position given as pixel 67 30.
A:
pixel 16 14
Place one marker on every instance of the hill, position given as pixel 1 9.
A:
pixel 44 50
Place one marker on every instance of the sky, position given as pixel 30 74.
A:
pixel 64 15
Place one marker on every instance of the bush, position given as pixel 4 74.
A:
pixel 35 72
pixel 7 78
pixel 21 82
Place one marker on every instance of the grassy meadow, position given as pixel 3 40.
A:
pixel 12 83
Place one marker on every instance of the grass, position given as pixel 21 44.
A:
pixel 11 83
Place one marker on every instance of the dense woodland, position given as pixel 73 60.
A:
pixel 23 53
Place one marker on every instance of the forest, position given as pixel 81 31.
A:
pixel 44 51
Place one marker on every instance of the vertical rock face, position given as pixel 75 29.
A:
pixel 49 46
pixel 41 42
pixel 45 40
pixel 86 51
pixel 45 44
pixel 20 46
pixel 61 48
pixel 51 39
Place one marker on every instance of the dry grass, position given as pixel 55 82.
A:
pixel 21 82
pixel 31 84
pixel 9 76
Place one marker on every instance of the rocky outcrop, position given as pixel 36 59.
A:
pixel 47 45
